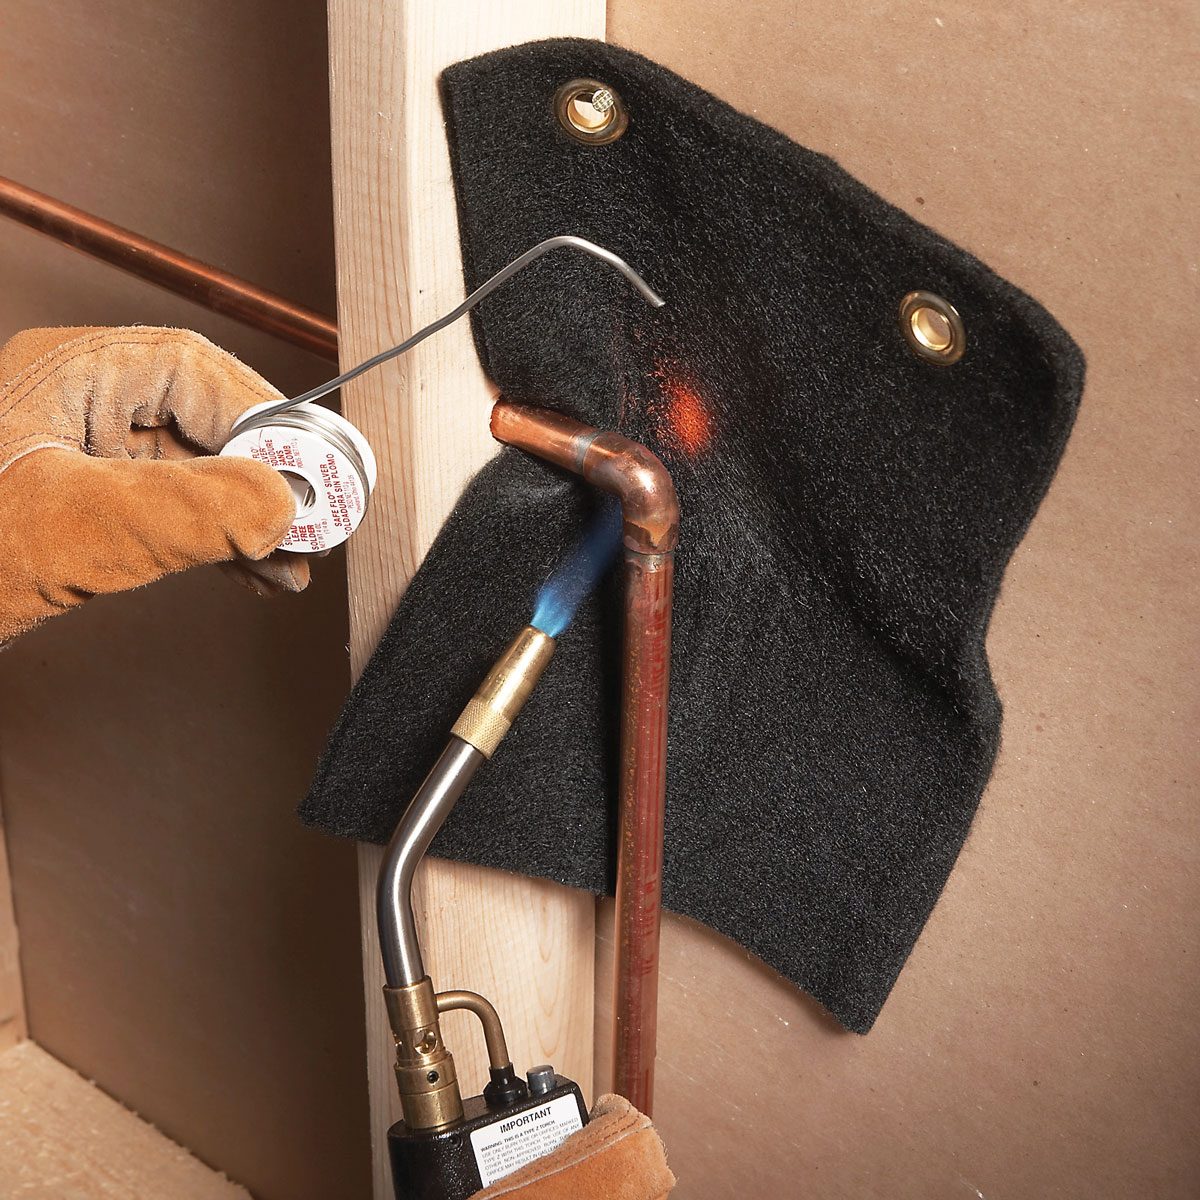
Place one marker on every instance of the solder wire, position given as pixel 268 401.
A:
pixel 567 240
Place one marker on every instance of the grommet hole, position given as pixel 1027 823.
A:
pixel 932 328
pixel 590 111
pixel 302 491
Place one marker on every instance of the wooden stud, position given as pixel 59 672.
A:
pixel 527 945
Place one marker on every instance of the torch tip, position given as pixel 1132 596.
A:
pixel 494 707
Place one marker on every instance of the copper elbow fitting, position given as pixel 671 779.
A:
pixel 610 461
pixel 650 510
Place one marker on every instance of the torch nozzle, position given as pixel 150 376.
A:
pixel 491 711
pixel 425 1073
pixel 478 731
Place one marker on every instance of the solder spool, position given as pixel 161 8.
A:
pixel 327 462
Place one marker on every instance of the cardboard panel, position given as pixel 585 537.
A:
pixel 12 997
pixel 184 941
pixel 1043 1039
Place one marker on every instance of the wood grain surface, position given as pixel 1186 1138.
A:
pixel 526 945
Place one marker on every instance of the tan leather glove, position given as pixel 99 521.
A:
pixel 617 1156
pixel 105 477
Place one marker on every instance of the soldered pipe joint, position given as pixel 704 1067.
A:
pixel 610 461
pixel 636 475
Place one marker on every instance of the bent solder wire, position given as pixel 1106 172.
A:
pixel 325 459
pixel 501 277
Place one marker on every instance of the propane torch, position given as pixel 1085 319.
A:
pixel 446 1148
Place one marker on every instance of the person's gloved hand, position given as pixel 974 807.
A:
pixel 107 474
pixel 618 1156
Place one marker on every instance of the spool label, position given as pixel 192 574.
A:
pixel 338 498
pixel 505 1146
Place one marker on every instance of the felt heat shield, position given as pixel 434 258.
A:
pixel 848 509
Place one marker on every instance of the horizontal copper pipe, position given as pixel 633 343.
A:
pixel 188 277
pixel 650 513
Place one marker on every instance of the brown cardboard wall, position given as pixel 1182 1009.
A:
pixel 1043 1040
pixel 184 941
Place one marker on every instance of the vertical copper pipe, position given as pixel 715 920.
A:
pixel 650 515
pixel 646 671
pixel 178 273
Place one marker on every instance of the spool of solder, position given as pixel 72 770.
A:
pixel 324 458
pixel 326 461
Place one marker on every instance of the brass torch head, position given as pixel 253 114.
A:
pixel 425 1074
pixel 494 707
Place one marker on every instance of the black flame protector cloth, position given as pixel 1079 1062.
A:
pixel 847 513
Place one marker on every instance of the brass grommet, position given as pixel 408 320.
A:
pixel 590 111
pixel 932 328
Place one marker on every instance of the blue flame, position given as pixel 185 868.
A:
pixel 566 589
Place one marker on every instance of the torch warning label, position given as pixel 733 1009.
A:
pixel 504 1147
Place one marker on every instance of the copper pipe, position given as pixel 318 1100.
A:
pixel 614 463
pixel 650 513
pixel 646 669
pixel 188 277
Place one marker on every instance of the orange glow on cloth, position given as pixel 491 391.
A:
pixel 685 416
